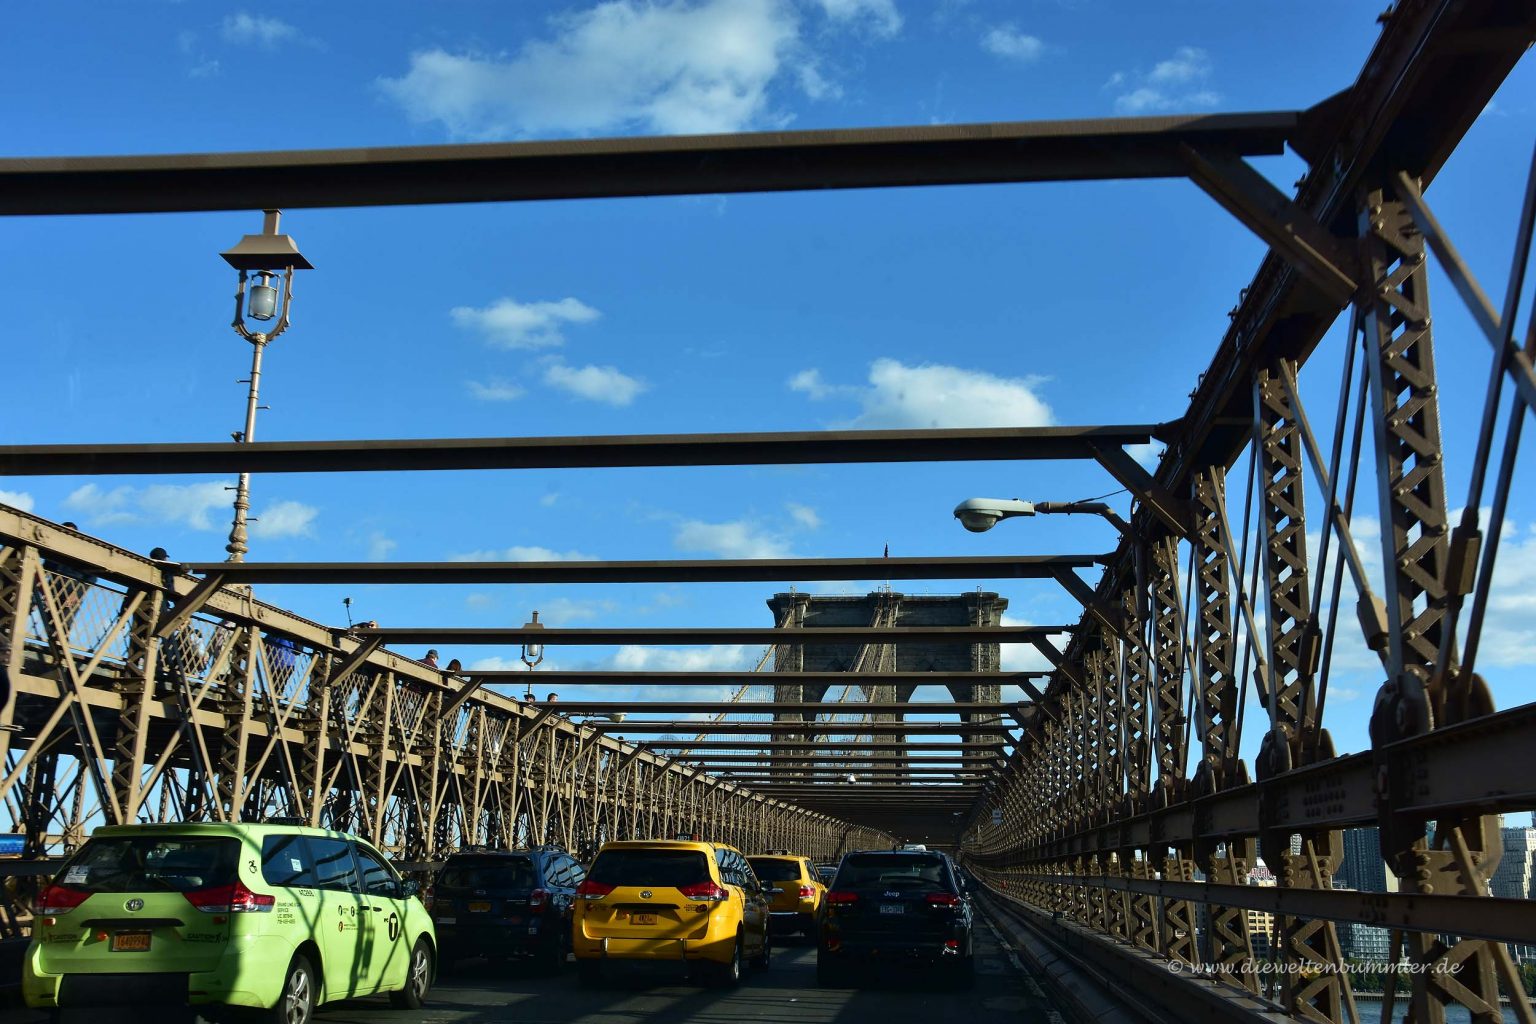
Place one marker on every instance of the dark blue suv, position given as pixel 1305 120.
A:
pixel 505 903
pixel 898 906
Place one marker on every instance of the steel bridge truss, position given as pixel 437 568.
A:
pixel 139 693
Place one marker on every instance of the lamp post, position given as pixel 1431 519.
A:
pixel 532 654
pixel 981 514
pixel 262 254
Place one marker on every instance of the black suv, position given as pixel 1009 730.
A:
pixel 505 903
pixel 896 905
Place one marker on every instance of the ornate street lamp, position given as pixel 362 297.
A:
pixel 272 258
pixel 533 653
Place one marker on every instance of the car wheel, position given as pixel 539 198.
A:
pixel 589 973
pixel 296 1002
pixel 728 975
pixel 418 978
pixel 762 960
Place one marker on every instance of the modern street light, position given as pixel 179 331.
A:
pixel 981 514
pixel 267 255
pixel 532 654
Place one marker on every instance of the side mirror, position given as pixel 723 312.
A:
pixel 409 887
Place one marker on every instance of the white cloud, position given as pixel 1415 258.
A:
pixel 494 663
pixel 899 396
pixel 203 66
pixel 255 30
pixel 285 519
pixel 520 553
pixel 689 659
pixel 668 66
pixel 1147 454
pixel 562 611
pixel 549 500
pixel 1178 83
pixel 1189 64
pixel 737 539
pixel 809 382
pixel 804 515
pixel 879 16
pixel 479 601
pixel 17 499
pixel 496 390
pixel 816 86
pixel 190 505
pixel 1007 41
pixel 380 546
pixel 507 323
pixel 1026 657
pixel 606 384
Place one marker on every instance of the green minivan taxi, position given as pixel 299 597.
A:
pixel 275 917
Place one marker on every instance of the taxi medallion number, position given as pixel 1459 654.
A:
pixel 644 919
pixel 130 942
pixel 479 908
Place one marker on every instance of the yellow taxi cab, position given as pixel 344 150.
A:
pixel 795 891
pixel 685 902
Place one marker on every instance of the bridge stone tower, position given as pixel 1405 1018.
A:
pixel 949 663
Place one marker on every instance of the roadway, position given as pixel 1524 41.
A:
pixel 786 993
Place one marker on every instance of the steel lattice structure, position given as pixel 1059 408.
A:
pixel 139 693
pixel 1098 805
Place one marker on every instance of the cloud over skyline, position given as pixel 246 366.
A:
pixel 931 395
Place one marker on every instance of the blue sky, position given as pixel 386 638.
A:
pixel 1068 304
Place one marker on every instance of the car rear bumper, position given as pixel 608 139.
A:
pixel 656 950
pixel 894 947
pixel 250 973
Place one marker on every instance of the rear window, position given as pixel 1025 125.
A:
pixel 772 869
pixel 911 872
pixel 669 868
pixel 488 873
pixel 152 864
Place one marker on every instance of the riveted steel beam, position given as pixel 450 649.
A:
pixel 822 447
pixel 560 636
pixel 757 570
pixel 634 726
pixel 578 678
pixel 668 165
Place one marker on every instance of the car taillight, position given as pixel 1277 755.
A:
pixel 704 892
pixel 426 897
pixel 537 900
pixel 230 899
pixel 942 899
pixel 807 892
pixel 590 890
pixel 839 898
pixel 58 899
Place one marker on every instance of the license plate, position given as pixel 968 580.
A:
pixel 644 919
pixel 130 942
pixel 892 908
pixel 479 908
